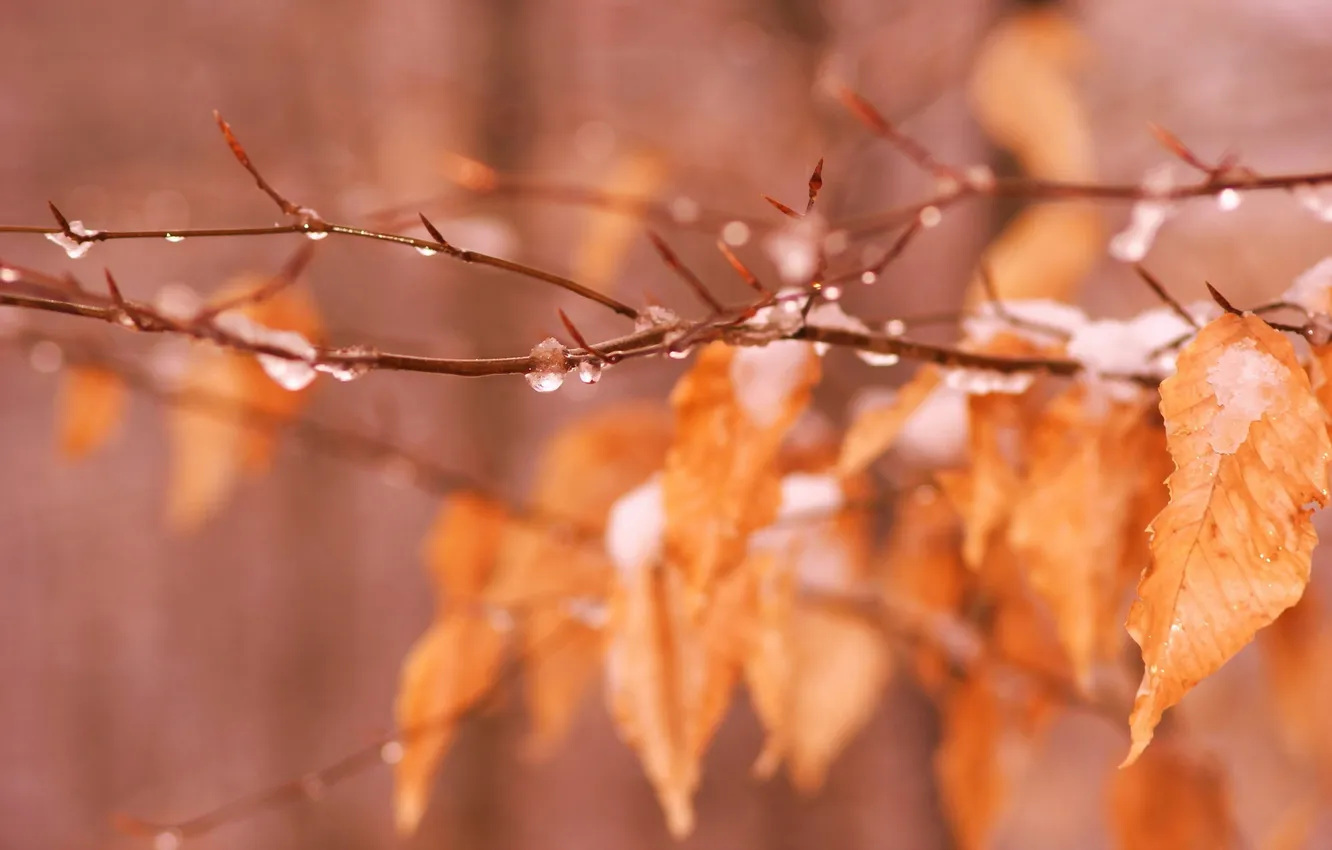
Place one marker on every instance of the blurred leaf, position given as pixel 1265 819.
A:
pixel 607 235
pixel 1297 656
pixel 1169 800
pixel 875 429
pixel 454 664
pixel 90 409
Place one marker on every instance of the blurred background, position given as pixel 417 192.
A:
pixel 161 674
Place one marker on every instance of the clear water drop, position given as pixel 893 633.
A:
pixel 1228 200
pixel 894 327
pixel 172 237
pixel 930 217
pixel 426 251
pixel 831 293
pixel 316 235
pixel 678 353
pixel 589 371
pixel 868 277
pixel 549 363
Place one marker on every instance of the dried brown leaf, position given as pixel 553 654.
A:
pixel 552 575
pixel 90 409
pixel 1073 515
pixel 721 480
pixel 454 664
pixel 670 678
pixel 1232 550
pixel 608 235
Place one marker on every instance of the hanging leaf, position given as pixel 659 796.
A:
pixel 210 444
pixel 985 492
pixel 554 568
pixel 721 480
pixel 1171 801
pixel 669 680
pixel 90 408
pixel 1232 550
pixel 1297 656
pixel 454 664
pixel 608 234
pixel 1073 515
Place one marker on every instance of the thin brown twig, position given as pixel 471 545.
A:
pixel 1166 298
pixel 686 274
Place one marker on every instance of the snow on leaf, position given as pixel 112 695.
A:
pixel 1170 800
pixel 1073 512
pixel 558 576
pixel 90 408
pixel 454 664
pixel 1232 549
pixel 720 481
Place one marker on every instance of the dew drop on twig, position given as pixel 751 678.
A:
pixel 589 371
pixel 172 237
pixel 391 752
pixel 868 277
pixel 1228 200
pixel 426 251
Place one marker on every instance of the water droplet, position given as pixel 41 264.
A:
pixel 684 210
pixel 549 364
pixel 589 371
pixel 391 752
pixel 980 177
pixel 654 317
pixel 171 237
pixel 426 251
pixel 678 353
pixel 74 248
pixel 316 235
pixel 930 217
pixel 894 327
pixel 46 357
pixel 9 275
pixel 868 277
pixel 876 358
pixel 831 293
pixel 791 306
pixel 735 233
pixel 167 839
pixel 1228 200
pixel 346 371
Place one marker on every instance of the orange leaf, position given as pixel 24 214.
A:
pixel 983 742
pixel 212 445
pixel 608 234
pixel 669 680
pixel 924 568
pixel 875 429
pixel 90 408
pixel 985 493
pixel 1297 654
pixel 454 664
pixel 1232 550
pixel 1071 517
pixel 721 480
pixel 1170 801
pixel 583 470
pixel 451 667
